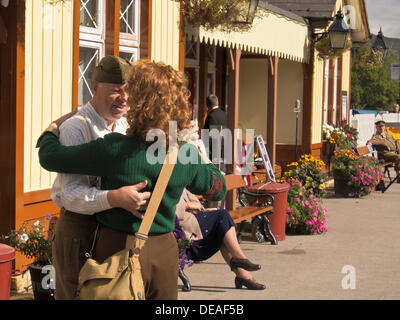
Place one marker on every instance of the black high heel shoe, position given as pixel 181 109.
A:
pixel 250 284
pixel 245 264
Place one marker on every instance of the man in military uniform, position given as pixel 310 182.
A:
pixel 388 147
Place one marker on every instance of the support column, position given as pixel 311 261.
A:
pixel 308 79
pixel 203 81
pixel 331 91
pixel 12 84
pixel 272 108
pixel 233 114
pixel 145 28
pixel 113 8
pixel 339 102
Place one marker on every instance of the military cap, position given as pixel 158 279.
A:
pixel 380 123
pixel 112 69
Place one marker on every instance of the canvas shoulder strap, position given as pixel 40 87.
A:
pixel 159 189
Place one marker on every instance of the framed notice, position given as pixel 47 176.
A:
pixel 345 107
pixel 395 72
pixel 265 158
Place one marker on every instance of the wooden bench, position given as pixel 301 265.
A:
pixel 258 210
pixel 365 152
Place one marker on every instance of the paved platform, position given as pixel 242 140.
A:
pixel 363 233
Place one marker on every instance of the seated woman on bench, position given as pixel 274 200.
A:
pixel 215 231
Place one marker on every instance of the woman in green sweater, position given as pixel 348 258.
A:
pixel 157 96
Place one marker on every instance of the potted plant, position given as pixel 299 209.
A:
pixel 355 176
pixel 308 170
pixel 33 242
pixel 305 213
pixel 325 50
pixel 217 14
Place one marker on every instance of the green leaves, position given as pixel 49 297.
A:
pixel 31 241
pixel 372 87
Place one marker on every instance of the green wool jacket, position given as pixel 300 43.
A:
pixel 121 161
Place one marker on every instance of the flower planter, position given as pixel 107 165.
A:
pixel 37 276
pixel 328 149
pixel 341 187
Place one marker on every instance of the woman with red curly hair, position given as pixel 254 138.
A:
pixel 157 96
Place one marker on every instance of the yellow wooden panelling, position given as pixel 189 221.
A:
pixel 318 99
pixel 48 79
pixel 165 32
pixel 346 71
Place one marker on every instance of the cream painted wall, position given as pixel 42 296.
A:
pixel 346 80
pixel 290 89
pixel 346 71
pixel 48 79
pixel 318 97
pixel 253 95
pixel 165 32
pixel 253 98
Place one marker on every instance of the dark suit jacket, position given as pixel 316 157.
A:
pixel 216 117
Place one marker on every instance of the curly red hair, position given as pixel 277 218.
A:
pixel 158 94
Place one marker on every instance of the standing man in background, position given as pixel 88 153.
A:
pixel 216 117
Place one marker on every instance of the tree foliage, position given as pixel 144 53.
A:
pixel 372 87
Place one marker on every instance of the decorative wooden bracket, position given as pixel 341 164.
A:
pixel 272 62
pixel 232 59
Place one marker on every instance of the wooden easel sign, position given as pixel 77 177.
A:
pixel 265 157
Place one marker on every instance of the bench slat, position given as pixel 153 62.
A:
pixel 245 213
pixel 234 181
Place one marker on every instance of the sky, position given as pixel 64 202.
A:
pixel 385 14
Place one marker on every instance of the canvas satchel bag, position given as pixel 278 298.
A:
pixel 119 277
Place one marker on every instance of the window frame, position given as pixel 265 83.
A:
pixel 127 39
pixel 95 34
pixel 90 45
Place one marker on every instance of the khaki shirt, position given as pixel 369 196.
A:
pixel 385 142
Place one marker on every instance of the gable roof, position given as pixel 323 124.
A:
pixel 311 9
pixel 393 43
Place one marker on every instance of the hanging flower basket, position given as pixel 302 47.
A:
pixel 217 14
pixel 325 51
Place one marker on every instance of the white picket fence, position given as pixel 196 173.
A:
pixel 365 124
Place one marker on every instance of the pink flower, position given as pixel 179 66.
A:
pixel 298 200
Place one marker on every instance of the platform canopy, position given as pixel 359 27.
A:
pixel 272 34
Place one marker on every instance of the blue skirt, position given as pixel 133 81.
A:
pixel 213 225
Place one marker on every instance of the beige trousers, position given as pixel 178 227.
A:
pixel 70 241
